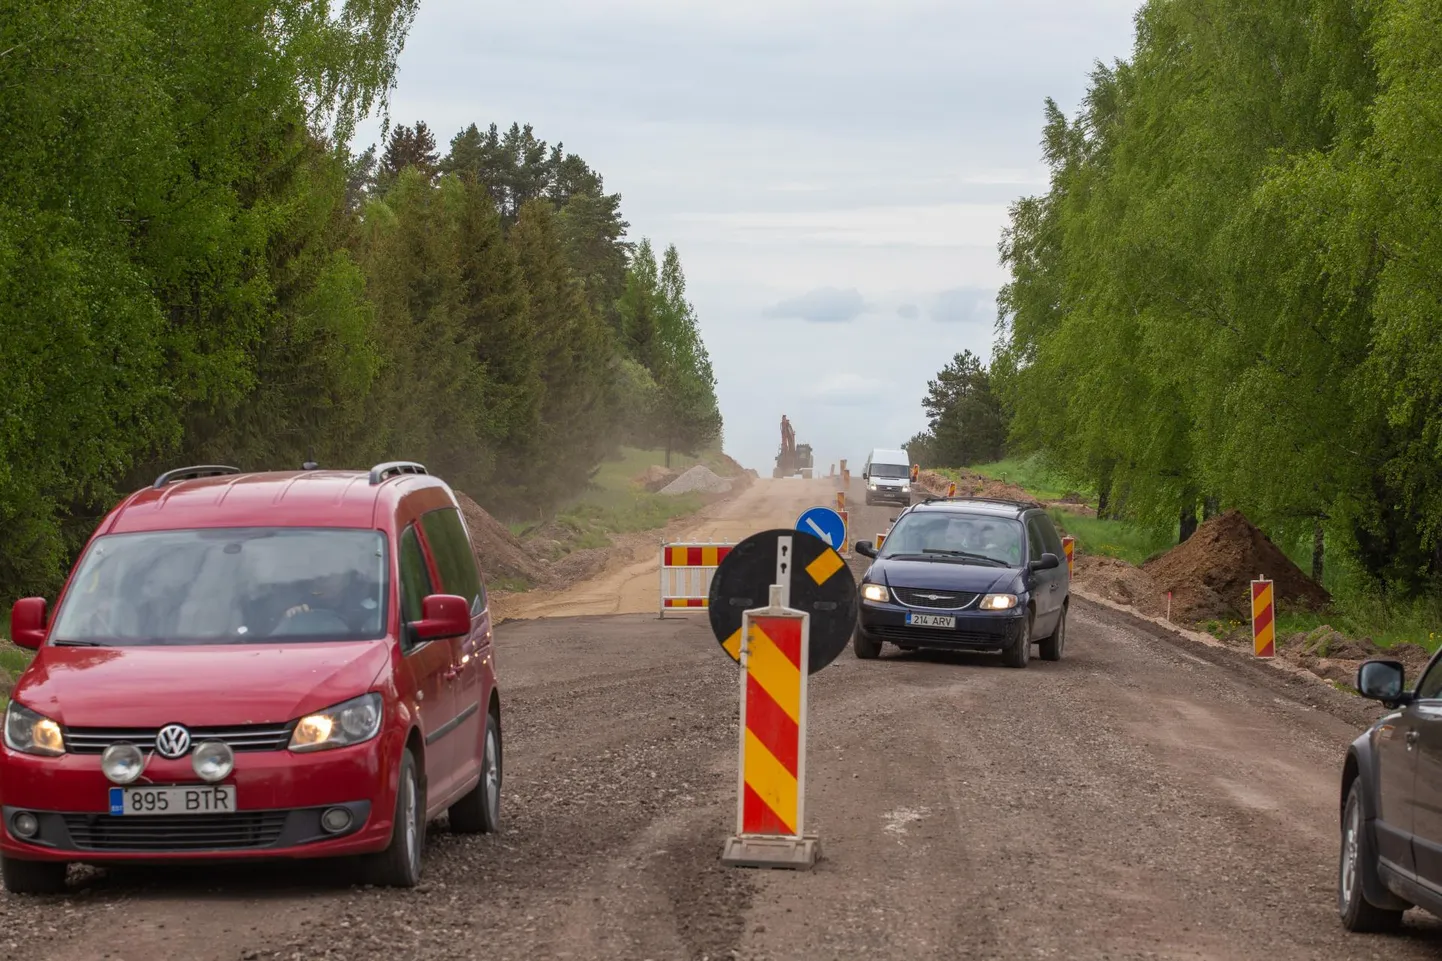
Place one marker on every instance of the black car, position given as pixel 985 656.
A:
pixel 1391 802
pixel 966 574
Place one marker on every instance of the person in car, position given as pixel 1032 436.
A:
pixel 350 597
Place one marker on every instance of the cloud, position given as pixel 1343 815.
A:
pixel 845 390
pixel 965 305
pixel 908 311
pixel 824 305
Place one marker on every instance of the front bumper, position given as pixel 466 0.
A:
pixel 974 631
pixel 280 799
pixel 889 495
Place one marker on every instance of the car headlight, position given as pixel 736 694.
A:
pixel 353 722
pixel 906 487
pixel 875 592
pixel 32 733
pixel 998 602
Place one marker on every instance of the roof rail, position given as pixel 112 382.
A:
pixel 384 472
pixel 985 500
pixel 191 473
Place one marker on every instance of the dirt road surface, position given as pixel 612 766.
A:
pixel 1141 799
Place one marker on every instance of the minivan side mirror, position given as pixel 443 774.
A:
pixel 27 622
pixel 1383 680
pixel 1047 562
pixel 443 616
pixel 866 548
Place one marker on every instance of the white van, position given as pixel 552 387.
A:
pixel 887 474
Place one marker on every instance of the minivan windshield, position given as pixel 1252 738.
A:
pixel 890 470
pixel 946 535
pixel 226 586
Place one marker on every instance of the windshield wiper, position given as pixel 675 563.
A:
pixel 966 554
pixel 77 643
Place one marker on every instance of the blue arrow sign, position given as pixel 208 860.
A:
pixel 825 523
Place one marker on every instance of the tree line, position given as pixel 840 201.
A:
pixel 194 268
pixel 1231 294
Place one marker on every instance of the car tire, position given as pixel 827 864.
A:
pixel 32 877
pixel 1050 648
pixel 1358 914
pixel 479 812
pixel 864 646
pixel 399 865
pixel 1019 654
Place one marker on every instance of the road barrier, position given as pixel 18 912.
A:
pixel 845 549
pixel 1264 615
pixel 686 572
pixel 915 472
pixel 880 539
pixel 840 501
pixel 1068 547
pixel 951 489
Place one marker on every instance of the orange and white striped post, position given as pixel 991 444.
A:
pixel 951 489
pixel 1068 547
pixel 845 548
pixel 915 473
pixel 841 500
pixel 880 539
pixel 771 780
pixel 1264 616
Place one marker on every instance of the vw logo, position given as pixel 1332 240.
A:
pixel 172 742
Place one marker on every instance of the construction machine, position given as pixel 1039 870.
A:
pixel 793 460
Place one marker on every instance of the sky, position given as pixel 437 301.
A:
pixel 836 174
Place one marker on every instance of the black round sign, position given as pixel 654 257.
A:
pixel 821 585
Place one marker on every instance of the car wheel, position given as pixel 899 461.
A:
pixel 1358 914
pixel 1051 647
pixel 399 865
pixel 32 877
pixel 865 647
pixel 1019 654
pixel 479 812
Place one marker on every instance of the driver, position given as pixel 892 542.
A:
pixel 347 595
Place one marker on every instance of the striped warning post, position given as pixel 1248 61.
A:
pixel 771 800
pixel 1068 547
pixel 880 539
pixel 686 572
pixel 1264 615
pixel 951 489
pixel 840 501
pixel 845 549
pixel 915 472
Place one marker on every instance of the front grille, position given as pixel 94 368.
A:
pixel 937 637
pixel 258 737
pixel 938 600
pixel 224 832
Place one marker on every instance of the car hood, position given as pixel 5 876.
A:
pixel 209 686
pixel 945 575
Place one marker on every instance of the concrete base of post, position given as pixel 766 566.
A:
pixel 795 854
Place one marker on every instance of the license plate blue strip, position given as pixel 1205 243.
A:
pixel 117 800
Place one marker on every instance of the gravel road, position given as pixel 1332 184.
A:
pixel 1141 799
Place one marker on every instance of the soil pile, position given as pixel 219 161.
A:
pixel 1121 583
pixel 499 552
pixel 656 477
pixel 1210 573
pixel 699 478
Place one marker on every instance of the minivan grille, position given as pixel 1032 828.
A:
pixel 937 600
pixel 224 832
pixel 260 737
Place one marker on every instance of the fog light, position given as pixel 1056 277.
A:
pixel 25 825
pixel 122 763
pixel 335 820
pixel 212 760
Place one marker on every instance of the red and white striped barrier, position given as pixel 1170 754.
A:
pixel 686 572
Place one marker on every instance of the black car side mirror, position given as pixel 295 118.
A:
pixel 1047 562
pixel 866 548
pixel 1385 681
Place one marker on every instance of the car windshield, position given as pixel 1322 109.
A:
pixel 947 535
pixel 226 586
pixel 890 470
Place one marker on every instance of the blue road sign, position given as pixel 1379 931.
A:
pixel 824 523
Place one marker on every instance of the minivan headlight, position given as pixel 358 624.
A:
pixel 32 733
pixel 875 592
pixel 998 602
pixel 352 722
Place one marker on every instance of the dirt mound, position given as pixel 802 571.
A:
pixel 581 565
pixel 699 478
pixel 1121 583
pixel 499 552
pixel 1211 571
pixel 1000 490
pixel 656 477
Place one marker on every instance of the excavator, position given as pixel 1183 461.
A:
pixel 793 460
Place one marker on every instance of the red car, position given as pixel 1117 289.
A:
pixel 254 666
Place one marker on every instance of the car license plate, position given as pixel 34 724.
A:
pixel 931 620
pixel 151 801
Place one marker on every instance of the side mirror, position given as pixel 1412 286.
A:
pixel 27 622
pixel 443 616
pixel 1380 680
pixel 1047 562
pixel 866 548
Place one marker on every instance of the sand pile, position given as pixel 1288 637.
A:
pixel 499 552
pixel 699 478
pixel 1210 574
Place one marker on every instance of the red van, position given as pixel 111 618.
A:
pixel 245 666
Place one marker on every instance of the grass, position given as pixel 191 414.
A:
pixel 1032 475
pixel 1107 538
pixel 12 662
